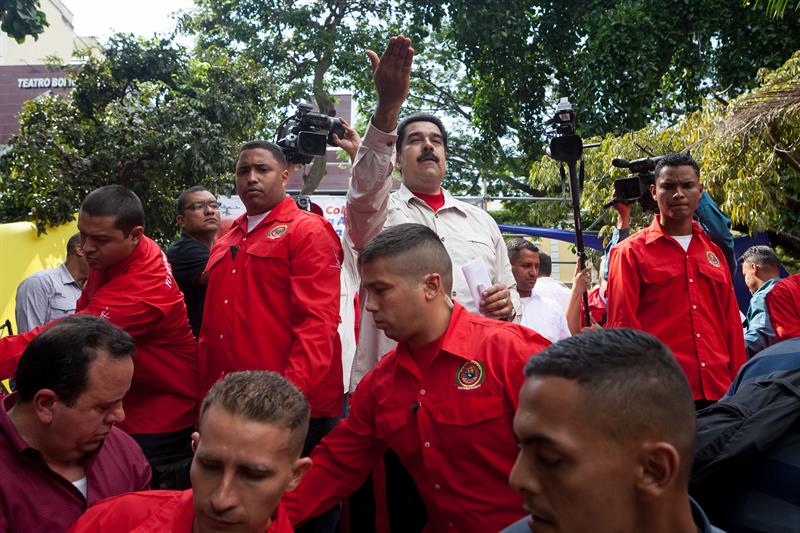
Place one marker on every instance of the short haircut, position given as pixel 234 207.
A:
pixel 419 117
pixel 545 265
pixel 262 396
pixel 118 202
pixel 180 203
pixel 419 246
pixel 679 159
pixel 72 244
pixel 516 245
pixel 271 147
pixel 60 356
pixel 762 256
pixel 631 381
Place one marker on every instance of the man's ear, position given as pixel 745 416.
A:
pixel 44 405
pixel 195 441
pixel 653 191
pixel 659 468
pixel 179 220
pixel 299 469
pixel 432 284
pixel 136 233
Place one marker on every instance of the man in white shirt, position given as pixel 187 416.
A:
pixel 539 313
pixel 550 287
pixel 467 232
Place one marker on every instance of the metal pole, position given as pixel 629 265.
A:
pixel 576 213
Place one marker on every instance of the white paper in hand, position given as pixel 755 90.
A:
pixel 477 279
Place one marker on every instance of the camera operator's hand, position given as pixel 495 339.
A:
pixel 392 75
pixel 624 214
pixel 496 302
pixel 580 284
pixel 350 142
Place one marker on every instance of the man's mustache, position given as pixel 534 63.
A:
pixel 427 156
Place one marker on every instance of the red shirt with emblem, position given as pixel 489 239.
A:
pixel 273 304
pixel 140 296
pixel 783 305
pixel 685 299
pixel 450 423
pixel 154 511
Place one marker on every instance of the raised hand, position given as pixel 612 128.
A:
pixel 392 75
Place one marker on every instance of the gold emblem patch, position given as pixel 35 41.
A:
pixel 712 259
pixel 470 375
pixel 277 231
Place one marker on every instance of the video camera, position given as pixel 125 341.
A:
pixel 637 186
pixel 566 146
pixel 306 133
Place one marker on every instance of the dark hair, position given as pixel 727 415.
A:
pixel 545 265
pixel 762 256
pixel 60 356
pixel 679 159
pixel 421 242
pixel 419 117
pixel 118 202
pixel 180 203
pixel 271 147
pixel 516 245
pixel 262 396
pixel 631 380
pixel 72 244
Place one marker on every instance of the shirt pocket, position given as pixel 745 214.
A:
pixel 468 411
pixel 713 273
pixel 389 423
pixel 662 273
pixel 62 305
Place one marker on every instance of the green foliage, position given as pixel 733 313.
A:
pixel 148 116
pixel 21 18
pixel 747 151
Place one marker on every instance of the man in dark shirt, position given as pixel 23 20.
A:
pixel 198 217
pixel 59 449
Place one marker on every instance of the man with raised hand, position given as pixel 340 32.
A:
pixel 420 141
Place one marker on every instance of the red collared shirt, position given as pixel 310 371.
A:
pixel 34 498
pixel 140 296
pixel 451 426
pixel 685 299
pixel 273 304
pixel 783 305
pixel 155 511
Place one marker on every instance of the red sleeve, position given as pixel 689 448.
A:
pixel 515 366
pixel 115 303
pixel 314 272
pixel 783 310
pixel 11 349
pixel 622 291
pixel 342 460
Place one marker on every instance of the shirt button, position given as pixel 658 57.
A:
pixel 703 365
pixel 221 335
pixel 427 444
pixel 244 238
pixel 422 392
pixel 454 293
pixel 233 271
pixel 694 307
pixel 437 486
pixel 691 280
pixel 697 335
pixel 226 301
pixel 442 239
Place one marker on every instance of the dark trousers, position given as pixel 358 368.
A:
pixel 170 456
pixel 327 521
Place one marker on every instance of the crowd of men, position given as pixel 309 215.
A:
pixel 204 388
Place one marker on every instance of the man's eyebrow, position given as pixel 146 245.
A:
pixel 539 438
